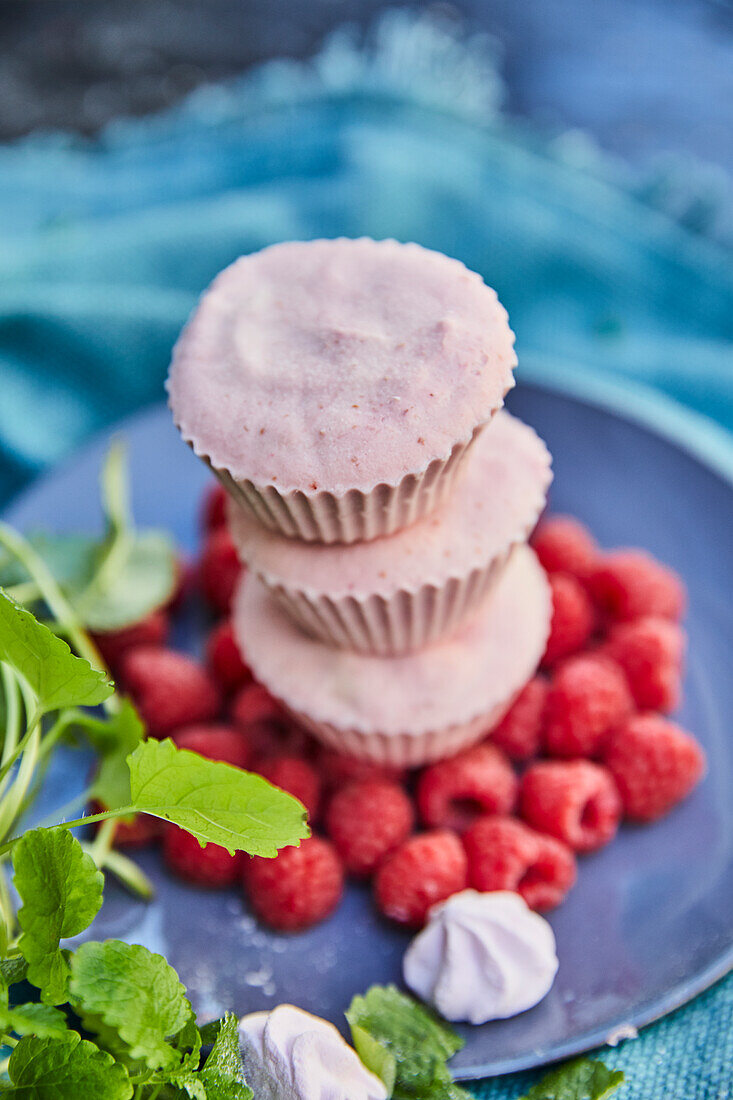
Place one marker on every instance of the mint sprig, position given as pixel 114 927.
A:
pixel 133 993
pixel 61 891
pixel 65 1068
pixel 55 675
pixel 405 1044
pixel 216 802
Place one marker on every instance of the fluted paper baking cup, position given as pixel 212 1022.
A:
pixel 390 626
pixel 353 516
pixel 410 709
pixel 404 750
pixel 397 594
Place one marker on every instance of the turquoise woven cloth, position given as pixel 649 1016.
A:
pixel 106 245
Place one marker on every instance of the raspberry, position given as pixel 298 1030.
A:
pixel 300 887
pixel 588 697
pixel 573 618
pixel 453 793
pixel 631 583
pixel 210 866
pixel 504 854
pixel 655 765
pixel 219 569
pixel 366 821
pixel 297 777
pixel 224 658
pixel 650 652
pixel 255 704
pixel 424 870
pixel 214 509
pixel 564 545
pixel 267 726
pixel 337 770
pixel 169 689
pixel 215 742
pixel 573 800
pixel 114 644
pixel 519 734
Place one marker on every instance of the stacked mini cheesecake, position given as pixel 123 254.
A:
pixel 348 394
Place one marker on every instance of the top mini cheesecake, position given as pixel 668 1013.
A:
pixel 334 386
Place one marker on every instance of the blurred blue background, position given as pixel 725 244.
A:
pixel 575 153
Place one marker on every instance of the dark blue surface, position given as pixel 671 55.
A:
pixel 648 924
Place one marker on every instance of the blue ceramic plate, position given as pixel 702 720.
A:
pixel 648 924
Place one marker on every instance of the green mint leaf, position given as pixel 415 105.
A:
pixel 71 560
pixel 375 1057
pixel 210 1030
pixel 65 1068
pixel 582 1079
pixel 13 970
pixel 34 1019
pixel 57 677
pixel 133 992
pixel 416 1043
pixel 188 1083
pixel 142 580
pixel 215 802
pixel 222 1074
pixel 61 891
pixel 113 739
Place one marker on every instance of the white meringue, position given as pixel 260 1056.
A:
pixel 290 1055
pixel 482 957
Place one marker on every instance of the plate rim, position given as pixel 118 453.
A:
pixel 708 443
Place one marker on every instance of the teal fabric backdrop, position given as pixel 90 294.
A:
pixel 105 246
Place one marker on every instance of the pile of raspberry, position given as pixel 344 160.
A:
pixel 586 745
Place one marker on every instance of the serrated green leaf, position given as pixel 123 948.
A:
pixel 65 1068
pixel 61 891
pixel 13 970
pixel 222 1074
pixel 215 802
pixel 56 676
pixel 375 1056
pixel 144 579
pixel 33 1019
pixel 582 1079
pixel 210 1030
pixel 416 1041
pixel 113 738
pixel 134 992
pixel 190 1084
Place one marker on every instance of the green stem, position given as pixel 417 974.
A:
pixel 101 846
pixel 21 745
pixel 14 797
pixel 122 811
pixel 50 820
pixel 129 874
pixel 7 909
pixel 11 693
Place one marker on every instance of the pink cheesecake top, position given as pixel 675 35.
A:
pixel 339 365
pixel 495 503
pixel 483 665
